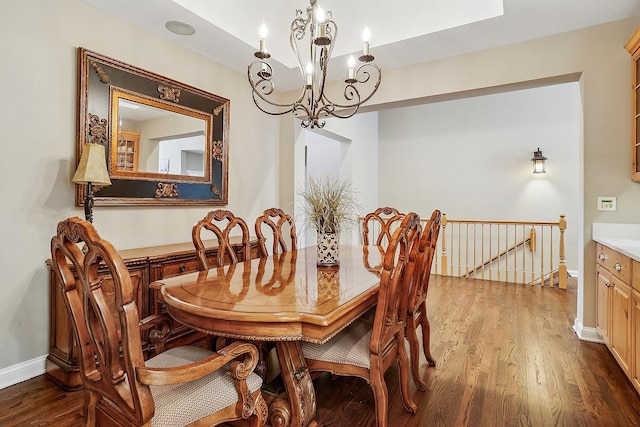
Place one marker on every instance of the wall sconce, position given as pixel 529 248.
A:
pixel 92 169
pixel 538 162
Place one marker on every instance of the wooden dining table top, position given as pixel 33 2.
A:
pixel 282 297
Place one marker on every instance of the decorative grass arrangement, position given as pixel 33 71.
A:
pixel 331 206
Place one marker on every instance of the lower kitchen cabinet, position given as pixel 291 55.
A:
pixel 618 309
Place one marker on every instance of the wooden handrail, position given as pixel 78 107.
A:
pixel 497 257
pixel 546 260
pixel 542 269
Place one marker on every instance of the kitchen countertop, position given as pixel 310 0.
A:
pixel 623 238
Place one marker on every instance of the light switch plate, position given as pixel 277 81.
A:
pixel 606 203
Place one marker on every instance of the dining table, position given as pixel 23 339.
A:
pixel 286 299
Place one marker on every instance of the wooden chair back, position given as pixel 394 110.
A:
pixel 379 225
pixel 106 319
pixel 426 253
pixel 281 225
pixel 192 385
pixel 351 353
pixel 222 223
pixel 420 274
pixel 391 307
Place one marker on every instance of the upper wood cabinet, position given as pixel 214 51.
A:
pixel 128 148
pixel 633 46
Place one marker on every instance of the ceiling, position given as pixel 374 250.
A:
pixel 403 32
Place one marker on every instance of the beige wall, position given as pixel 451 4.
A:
pixel 37 135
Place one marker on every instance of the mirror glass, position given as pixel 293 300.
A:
pixel 166 142
pixel 152 139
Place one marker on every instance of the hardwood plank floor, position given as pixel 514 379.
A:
pixel 506 356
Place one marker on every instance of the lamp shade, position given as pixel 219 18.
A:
pixel 93 166
pixel 538 162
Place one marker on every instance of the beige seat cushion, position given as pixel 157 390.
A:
pixel 349 347
pixel 181 404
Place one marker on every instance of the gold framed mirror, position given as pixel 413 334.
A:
pixel 166 142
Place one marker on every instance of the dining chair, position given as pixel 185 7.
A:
pixel 378 226
pixel 417 305
pixel 222 223
pixel 367 349
pixel 278 222
pixel 184 385
pixel 280 229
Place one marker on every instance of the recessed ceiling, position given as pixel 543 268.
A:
pixel 402 32
pixel 423 17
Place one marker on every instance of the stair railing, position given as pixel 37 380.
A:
pixel 530 252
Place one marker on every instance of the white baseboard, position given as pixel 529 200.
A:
pixel 586 334
pixel 572 273
pixel 22 371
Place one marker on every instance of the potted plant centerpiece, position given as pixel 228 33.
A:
pixel 330 208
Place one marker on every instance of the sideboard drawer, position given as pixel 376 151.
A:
pixel 178 267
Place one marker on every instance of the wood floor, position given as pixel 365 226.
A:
pixel 506 356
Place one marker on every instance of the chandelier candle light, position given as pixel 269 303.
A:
pixel 313 104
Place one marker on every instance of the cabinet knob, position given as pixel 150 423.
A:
pixel 618 267
pixel 601 256
pixel 182 268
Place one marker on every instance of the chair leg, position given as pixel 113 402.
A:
pixel 403 362
pixel 426 335
pixel 380 393
pixel 90 401
pixel 414 353
pixel 260 413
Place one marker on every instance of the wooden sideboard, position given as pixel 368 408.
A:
pixel 145 265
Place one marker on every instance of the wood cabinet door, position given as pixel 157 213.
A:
pixel 619 338
pixel 635 339
pixel 603 311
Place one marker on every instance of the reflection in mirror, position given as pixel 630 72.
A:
pixel 154 139
pixel 177 159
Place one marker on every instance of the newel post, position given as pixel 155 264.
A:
pixel 444 262
pixel 562 269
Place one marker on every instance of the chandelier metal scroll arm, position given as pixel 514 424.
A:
pixel 313 104
pixel 263 86
pixel 362 76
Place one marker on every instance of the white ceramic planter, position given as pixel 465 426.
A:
pixel 328 252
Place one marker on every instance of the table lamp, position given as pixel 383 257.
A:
pixel 92 169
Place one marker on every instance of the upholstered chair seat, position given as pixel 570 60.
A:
pixel 185 403
pixel 349 347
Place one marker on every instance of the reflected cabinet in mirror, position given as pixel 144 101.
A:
pixel 166 142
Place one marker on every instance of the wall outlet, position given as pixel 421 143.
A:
pixel 606 203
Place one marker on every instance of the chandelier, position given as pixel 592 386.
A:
pixel 315 34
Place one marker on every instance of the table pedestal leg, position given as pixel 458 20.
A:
pixel 301 407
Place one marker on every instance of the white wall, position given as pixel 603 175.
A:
pixel 357 156
pixel 324 155
pixel 470 158
pixel 38 137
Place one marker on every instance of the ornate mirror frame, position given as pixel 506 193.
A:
pixel 102 82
